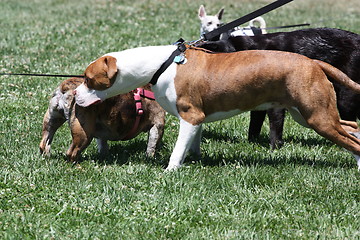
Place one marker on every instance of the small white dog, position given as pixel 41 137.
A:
pixel 210 22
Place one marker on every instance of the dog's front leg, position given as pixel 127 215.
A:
pixel 103 147
pixel 187 133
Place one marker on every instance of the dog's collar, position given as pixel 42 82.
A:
pixel 180 49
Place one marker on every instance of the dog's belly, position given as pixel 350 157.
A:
pixel 224 115
pixel 107 132
pixel 266 106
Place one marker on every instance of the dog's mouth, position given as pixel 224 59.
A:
pixel 85 97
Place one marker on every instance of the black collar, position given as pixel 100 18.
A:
pixel 180 49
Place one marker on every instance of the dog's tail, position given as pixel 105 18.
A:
pixel 261 22
pixel 338 76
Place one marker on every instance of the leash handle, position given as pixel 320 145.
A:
pixel 244 19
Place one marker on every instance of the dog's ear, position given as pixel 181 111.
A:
pixel 101 74
pixel 202 12
pixel 220 14
pixel 110 63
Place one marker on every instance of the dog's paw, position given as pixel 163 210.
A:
pixel 171 168
pixel 150 153
pixel 45 150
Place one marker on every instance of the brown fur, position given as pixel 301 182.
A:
pixel 104 78
pixel 221 82
pixel 110 120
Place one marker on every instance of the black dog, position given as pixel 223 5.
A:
pixel 338 47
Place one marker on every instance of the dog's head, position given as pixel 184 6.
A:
pixel 101 74
pixel 209 23
pixel 99 77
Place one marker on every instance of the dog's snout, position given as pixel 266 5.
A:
pixel 74 92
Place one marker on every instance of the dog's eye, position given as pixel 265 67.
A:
pixel 209 23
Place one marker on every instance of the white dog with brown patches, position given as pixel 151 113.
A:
pixel 212 86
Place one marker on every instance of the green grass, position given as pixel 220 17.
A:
pixel 238 190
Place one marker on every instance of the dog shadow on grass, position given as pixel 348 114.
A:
pixel 263 155
pixel 121 153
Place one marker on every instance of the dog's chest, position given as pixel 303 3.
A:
pixel 165 92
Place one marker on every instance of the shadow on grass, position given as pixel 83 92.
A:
pixel 270 158
pixel 121 153
pixel 264 141
pixel 251 160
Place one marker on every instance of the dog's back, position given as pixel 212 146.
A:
pixel 337 47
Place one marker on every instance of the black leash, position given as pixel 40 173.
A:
pixel 41 75
pixel 180 49
pixel 288 26
pixel 227 27
pixel 258 31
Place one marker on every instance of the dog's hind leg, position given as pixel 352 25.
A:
pixel 324 119
pixel 187 134
pixel 276 120
pixel 257 119
pixel 349 141
pixel 327 123
pixel 349 126
pixel 103 146
pixel 155 135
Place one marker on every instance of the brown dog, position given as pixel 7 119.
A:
pixel 203 87
pixel 112 119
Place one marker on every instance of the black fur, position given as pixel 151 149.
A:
pixel 338 47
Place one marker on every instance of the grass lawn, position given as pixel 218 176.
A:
pixel 309 189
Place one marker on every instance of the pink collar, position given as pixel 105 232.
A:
pixel 138 93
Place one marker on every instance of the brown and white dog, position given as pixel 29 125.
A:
pixel 112 119
pixel 213 86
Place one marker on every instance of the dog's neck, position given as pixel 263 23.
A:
pixel 138 65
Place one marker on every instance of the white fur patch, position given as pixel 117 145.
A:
pixel 187 133
pixel 85 97
pixel 165 92
pixel 136 67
